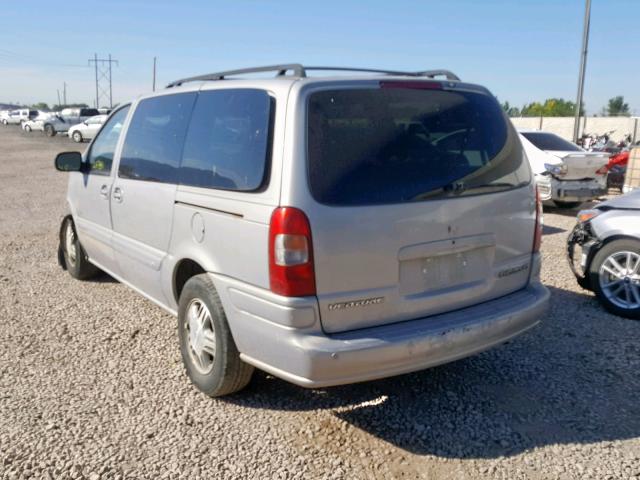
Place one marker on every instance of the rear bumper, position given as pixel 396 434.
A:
pixel 311 358
pixel 577 190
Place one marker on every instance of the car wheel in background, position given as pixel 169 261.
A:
pixel 75 258
pixel 4 122
pixel 27 128
pixel 77 136
pixel 567 205
pixel 208 350
pixel 49 130
pixel 615 276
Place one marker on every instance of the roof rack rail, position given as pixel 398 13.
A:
pixel 365 70
pixel 299 70
pixel 296 68
pixel 449 75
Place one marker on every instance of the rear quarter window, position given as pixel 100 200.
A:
pixel 392 145
pixel 228 142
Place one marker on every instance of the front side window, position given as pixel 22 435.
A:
pixel 397 144
pixel 228 141
pixel 155 137
pixel 100 157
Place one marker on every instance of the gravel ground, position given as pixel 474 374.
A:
pixel 91 383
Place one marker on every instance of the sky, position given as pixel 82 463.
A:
pixel 522 50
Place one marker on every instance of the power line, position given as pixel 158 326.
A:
pixel 13 57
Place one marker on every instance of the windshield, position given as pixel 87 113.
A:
pixel 392 145
pixel 550 141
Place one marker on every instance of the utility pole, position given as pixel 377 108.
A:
pixel 110 90
pixel 583 67
pixel 58 96
pixel 154 74
pixel 103 74
pixel 64 94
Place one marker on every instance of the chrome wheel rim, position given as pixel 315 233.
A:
pixel 201 336
pixel 70 244
pixel 620 280
pixel 76 137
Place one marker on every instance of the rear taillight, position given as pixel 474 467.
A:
pixel 291 271
pixel 603 171
pixel 537 235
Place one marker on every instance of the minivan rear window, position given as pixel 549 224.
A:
pixel 393 145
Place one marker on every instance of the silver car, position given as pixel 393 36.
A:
pixel 604 253
pixel 326 230
pixel 571 175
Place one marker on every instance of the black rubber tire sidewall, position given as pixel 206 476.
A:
pixel 594 274
pixel 49 131
pixel 82 269
pixel 73 137
pixel 229 373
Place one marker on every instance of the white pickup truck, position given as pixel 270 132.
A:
pixel 567 175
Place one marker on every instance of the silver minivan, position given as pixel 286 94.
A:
pixel 326 230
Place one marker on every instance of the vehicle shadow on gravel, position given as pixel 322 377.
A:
pixel 549 230
pixel 570 380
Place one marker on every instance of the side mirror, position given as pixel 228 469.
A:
pixel 69 162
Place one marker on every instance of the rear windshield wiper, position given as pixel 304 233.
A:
pixel 458 188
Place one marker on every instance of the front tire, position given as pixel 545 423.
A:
pixel 77 137
pixel 567 205
pixel 75 258
pixel 615 277
pixel 209 353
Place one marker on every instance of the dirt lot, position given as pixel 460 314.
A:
pixel 91 383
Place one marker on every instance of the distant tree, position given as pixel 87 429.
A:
pixel 40 106
pixel 617 107
pixel 552 107
pixel 509 110
pixel 70 105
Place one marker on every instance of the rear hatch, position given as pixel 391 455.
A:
pixel 423 202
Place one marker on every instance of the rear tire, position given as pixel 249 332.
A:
pixel 610 293
pixel 27 128
pixel 49 131
pixel 567 205
pixel 209 353
pixel 75 258
pixel 77 137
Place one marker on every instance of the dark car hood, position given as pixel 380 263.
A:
pixel 628 201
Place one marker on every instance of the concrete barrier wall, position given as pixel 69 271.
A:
pixel 563 126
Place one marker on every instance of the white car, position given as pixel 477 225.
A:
pixel 571 175
pixel 18 117
pixel 36 123
pixel 87 129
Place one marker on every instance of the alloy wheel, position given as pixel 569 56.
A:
pixel 70 244
pixel 620 279
pixel 201 336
